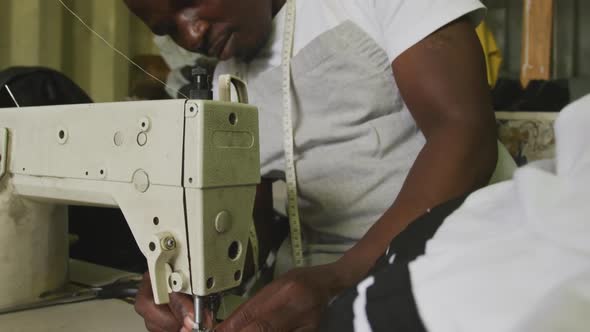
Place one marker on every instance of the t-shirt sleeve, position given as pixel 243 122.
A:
pixel 406 22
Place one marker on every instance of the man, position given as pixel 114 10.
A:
pixel 392 117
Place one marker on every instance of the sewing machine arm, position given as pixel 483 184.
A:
pixel 183 172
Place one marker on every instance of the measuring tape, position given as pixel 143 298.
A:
pixel 288 141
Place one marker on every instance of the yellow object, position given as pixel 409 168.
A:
pixel 492 52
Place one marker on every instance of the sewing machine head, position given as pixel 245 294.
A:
pixel 183 172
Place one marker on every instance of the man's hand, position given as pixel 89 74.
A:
pixel 179 313
pixel 293 302
pixel 163 318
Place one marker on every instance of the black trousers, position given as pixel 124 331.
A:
pixel 389 303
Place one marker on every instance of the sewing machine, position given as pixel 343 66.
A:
pixel 183 172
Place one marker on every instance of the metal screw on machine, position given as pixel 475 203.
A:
pixel 176 281
pixel 201 87
pixel 169 243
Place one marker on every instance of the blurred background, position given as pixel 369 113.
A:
pixel 570 53
pixel 41 32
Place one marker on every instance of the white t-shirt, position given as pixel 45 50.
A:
pixel 395 25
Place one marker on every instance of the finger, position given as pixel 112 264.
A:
pixel 278 322
pixel 310 328
pixel 258 326
pixel 267 313
pixel 159 318
pixel 263 302
pixel 189 323
pixel 239 319
pixel 248 318
pixel 153 328
pixel 209 322
pixel 280 318
pixel 144 295
pixel 181 306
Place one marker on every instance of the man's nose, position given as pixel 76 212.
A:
pixel 191 34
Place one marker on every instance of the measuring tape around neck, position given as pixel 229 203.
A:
pixel 288 140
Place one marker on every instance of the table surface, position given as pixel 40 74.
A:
pixel 92 316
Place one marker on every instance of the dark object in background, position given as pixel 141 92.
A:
pixel 545 96
pixel 201 87
pixel 506 93
pixel 104 237
pixel 36 86
pixel 539 96
pixel 206 63
pixel 579 87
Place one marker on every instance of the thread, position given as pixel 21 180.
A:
pixel 12 96
pixel 116 50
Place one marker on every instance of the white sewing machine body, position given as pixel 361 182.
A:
pixel 183 172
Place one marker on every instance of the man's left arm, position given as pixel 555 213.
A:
pixel 443 82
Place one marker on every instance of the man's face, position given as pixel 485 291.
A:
pixel 218 28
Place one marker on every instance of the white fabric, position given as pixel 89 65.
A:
pixel 516 256
pixel 359 307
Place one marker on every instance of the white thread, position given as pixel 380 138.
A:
pixel 391 259
pixel 12 96
pixel 117 50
